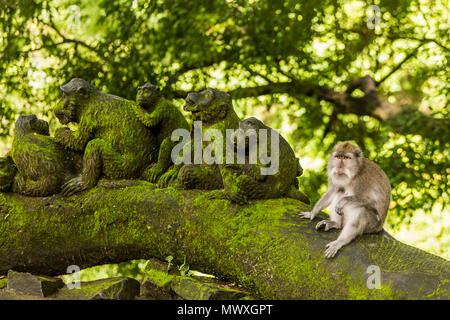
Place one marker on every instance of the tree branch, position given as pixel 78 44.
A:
pixel 69 40
pixel 371 104
pixel 422 40
pixel 410 55
pixel 274 256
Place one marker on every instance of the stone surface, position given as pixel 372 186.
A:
pixel 264 246
pixel 155 291
pixel 191 289
pixel 119 288
pixel 27 283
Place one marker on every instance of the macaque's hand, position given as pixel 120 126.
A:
pixel 307 215
pixel 339 208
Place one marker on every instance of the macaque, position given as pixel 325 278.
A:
pixel 358 194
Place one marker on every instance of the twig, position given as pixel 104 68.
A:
pixel 400 64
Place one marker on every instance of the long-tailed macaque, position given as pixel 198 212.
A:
pixel 359 193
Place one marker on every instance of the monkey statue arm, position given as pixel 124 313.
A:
pixel 324 202
pixel 75 140
pixel 150 119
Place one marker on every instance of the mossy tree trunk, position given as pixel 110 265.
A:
pixel 262 246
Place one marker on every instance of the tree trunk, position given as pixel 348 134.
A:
pixel 263 246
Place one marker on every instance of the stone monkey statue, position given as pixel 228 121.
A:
pixel 162 118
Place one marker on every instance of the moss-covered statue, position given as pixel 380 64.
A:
pixel 214 109
pixel 7 172
pixel 115 143
pixel 43 165
pixel 162 118
pixel 268 169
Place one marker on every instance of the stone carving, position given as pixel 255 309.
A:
pixel 43 165
pixel 162 118
pixel 121 139
pixel 244 182
pixel 115 143
pixel 214 109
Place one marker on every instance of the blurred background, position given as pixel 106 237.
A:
pixel 319 72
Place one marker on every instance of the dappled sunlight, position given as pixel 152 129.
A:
pixel 287 64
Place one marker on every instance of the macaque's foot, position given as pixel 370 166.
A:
pixel 332 249
pixel 306 215
pixel 165 180
pixel 153 173
pixel 73 186
pixel 328 225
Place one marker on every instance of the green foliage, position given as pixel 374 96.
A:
pixel 188 45
pixel 184 269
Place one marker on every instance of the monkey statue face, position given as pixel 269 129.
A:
pixel 76 93
pixel 148 95
pixel 345 161
pixel 208 105
pixel 31 124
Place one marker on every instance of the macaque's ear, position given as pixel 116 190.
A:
pixel 358 153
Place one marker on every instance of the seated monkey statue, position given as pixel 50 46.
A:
pixel 162 118
pixel 115 143
pixel 268 171
pixel 214 109
pixel 43 165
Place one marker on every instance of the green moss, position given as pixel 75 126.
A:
pixel 115 143
pixel 167 118
pixel 42 164
pixel 87 290
pixel 161 278
pixel 262 246
pixel 3 283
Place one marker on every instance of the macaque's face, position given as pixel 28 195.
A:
pixel 342 161
pixel 345 162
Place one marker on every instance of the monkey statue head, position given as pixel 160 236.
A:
pixel 30 124
pixel 209 105
pixel 345 162
pixel 248 132
pixel 148 96
pixel 76 93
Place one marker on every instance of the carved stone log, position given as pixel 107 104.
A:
pixel 263 246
